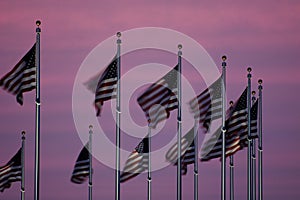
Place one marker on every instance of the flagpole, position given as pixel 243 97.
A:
pixel 249 161
pixel 223 160
pixel 90 163
pixel 149 179
pixel 179 126
pixel 231 166
pixel 260 148
pixel 196 160
pixel 23 167
pixel 37 115
pixel 118 116
pixel 253 156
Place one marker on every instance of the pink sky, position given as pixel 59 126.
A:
pixel 261 34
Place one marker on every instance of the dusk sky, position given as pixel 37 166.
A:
pixel 261 34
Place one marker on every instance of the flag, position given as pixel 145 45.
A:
pixel 160 98
pixel 236 121
pixel 105 87
pixel 187 152
pixel 137 161
pixel 81 169
pixel 207 106
pixel 244 132
pixel 11 172
pixel 22 78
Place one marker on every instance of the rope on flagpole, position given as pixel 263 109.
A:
pixel 231 167
pixel 249 154
pixel 23 167
pixel 90 184
pixel 223 160
pixel 260 145
pixel 253 156
pixel 118 116
pixel 179 127
pixel 37 115
pixel 196 180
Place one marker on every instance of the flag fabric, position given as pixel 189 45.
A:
pixel 187 152
pixel 22 78
pixel 207 106
pixel 160 98
pixel 81 169
pixel 107 85
pixel 236 121
pixel 11 172
pixel 244 132
pixel 137 161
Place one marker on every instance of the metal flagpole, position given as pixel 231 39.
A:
pixel 253 157
pixel 249 161
pixel 118 114
pixel 23 167
pixel 90 163
pixel 260 148
pixel 196 160
pixel 223 160
pixel 179 185
pixel 37 115
pixel 231 165
pixel 149 164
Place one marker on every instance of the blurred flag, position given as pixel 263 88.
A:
pixel 11 172
pixel 187 152
pixel 137 161
pixel 237 120
pixel 160 98
pixel 244 132
pixel 105 85
pixel 22 78
pixel 207 106
pixel 81 169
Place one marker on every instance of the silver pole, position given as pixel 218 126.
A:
pixel 196 180
pixel 90 163
pixel 253 157
pixel 249 160
pixel 23 167
pixel 179 184
pixel 37 115
pixel 118 114
pixel 223 160
pixel 149 179
pixel 260 148
pixel 231 167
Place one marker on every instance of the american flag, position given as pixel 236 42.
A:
pixel 187 152
pixel 11 172
pixel 137 161
pixel 236 121
pixel 244 133
pixel 81 169
pixel 160 98
pixel 107 85
pixel 207 106
pixel 22 78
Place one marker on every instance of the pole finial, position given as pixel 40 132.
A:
pixel 179 46
pixel 224 58
pixel 260 81
pixel 253 92
pixel 119 34
pixel 90 126
pixel 23 133
pixel 231 103
pixel 38 22
pixel 249 69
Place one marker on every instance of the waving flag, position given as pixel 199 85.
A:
pixel 22 78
